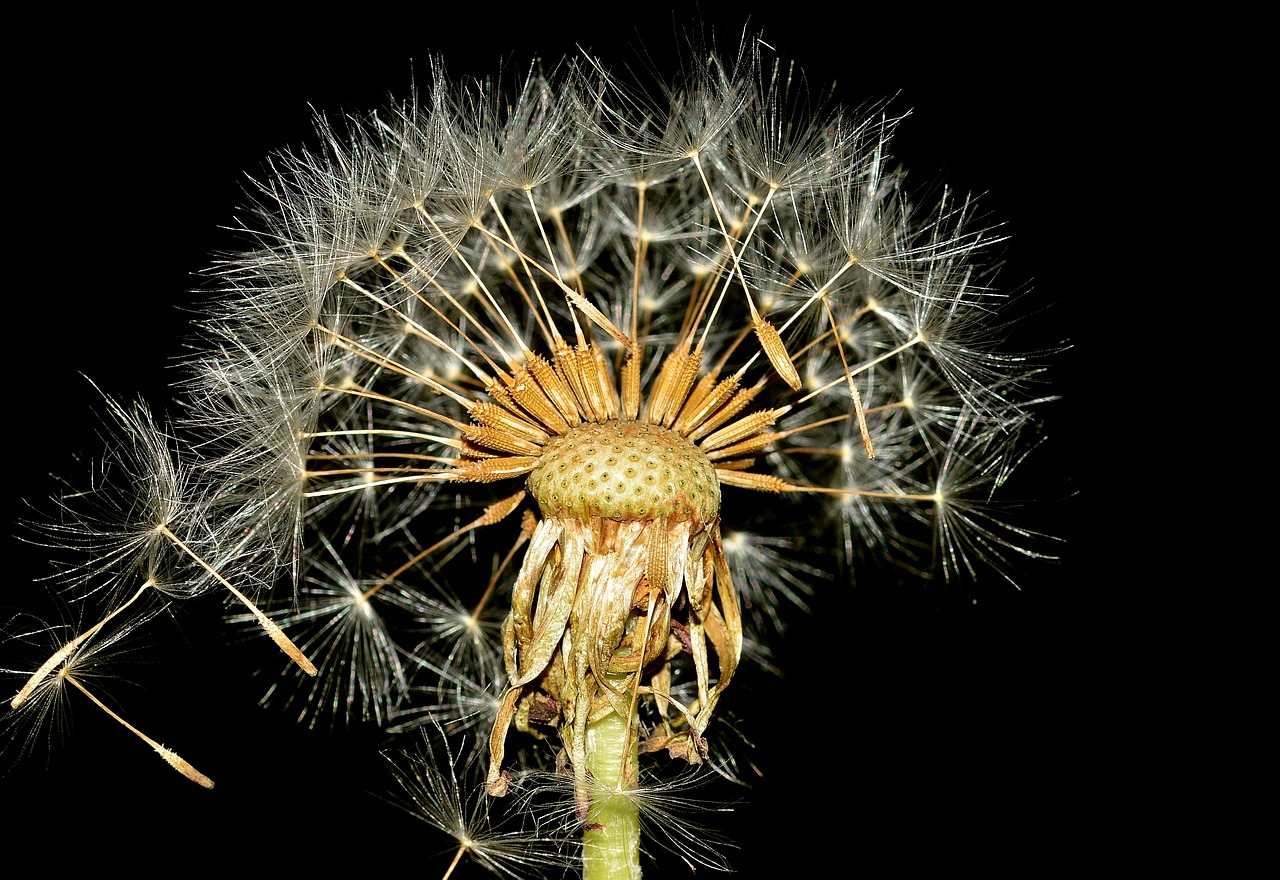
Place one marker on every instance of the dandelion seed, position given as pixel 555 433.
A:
pixel 78 665
pixel 123 528
pixel 437 783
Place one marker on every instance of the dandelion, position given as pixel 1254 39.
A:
pixel 439 787
pixel 79 666
pixel 539 407
pixel 139 526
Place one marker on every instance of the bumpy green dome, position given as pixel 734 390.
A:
pixel 625 471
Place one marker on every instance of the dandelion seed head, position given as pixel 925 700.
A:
pixel 536 407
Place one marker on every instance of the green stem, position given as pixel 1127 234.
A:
pixel 612 851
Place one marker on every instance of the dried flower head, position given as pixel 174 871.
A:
pixel 528 410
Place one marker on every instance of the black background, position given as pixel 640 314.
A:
pixel 915 728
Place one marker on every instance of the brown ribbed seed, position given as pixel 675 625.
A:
pixel 625 470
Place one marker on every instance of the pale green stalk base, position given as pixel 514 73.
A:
pixel 611 852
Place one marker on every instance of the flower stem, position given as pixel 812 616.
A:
pixel 611 842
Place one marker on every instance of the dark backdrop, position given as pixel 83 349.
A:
pixel 913 728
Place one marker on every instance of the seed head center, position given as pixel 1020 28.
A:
pixel 627 471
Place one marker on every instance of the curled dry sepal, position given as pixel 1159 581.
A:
pixel 524 410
